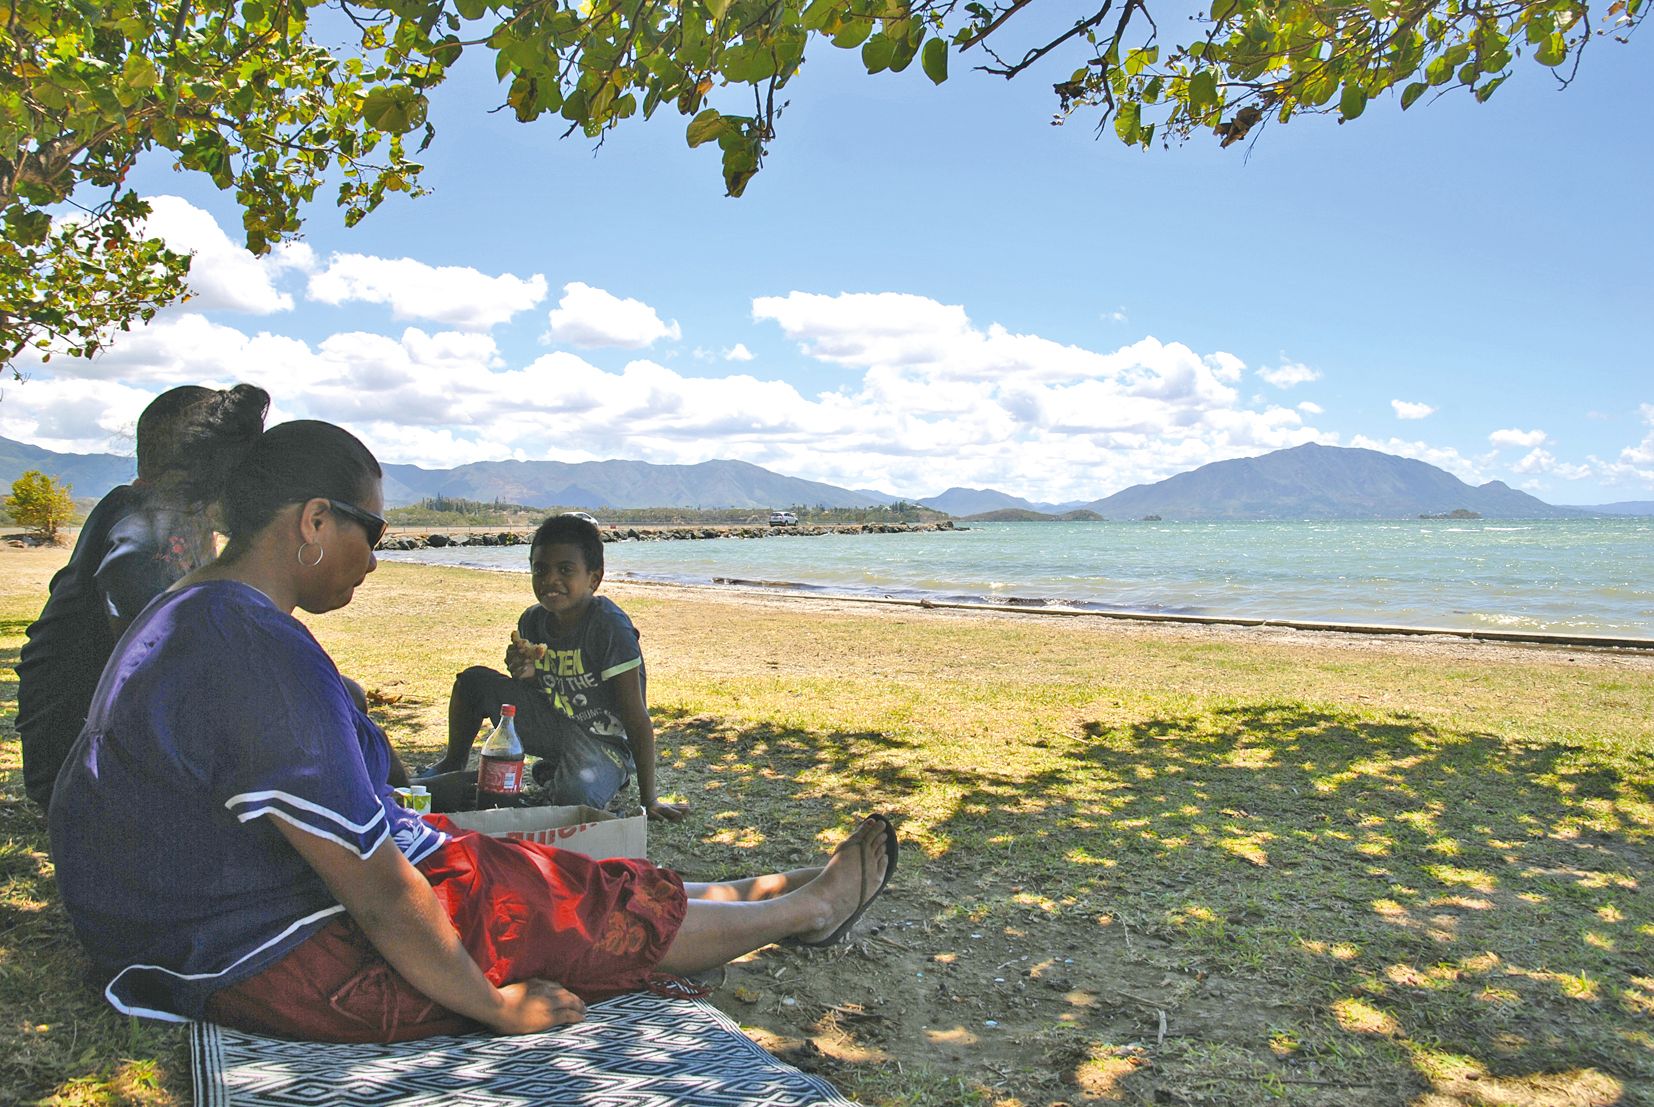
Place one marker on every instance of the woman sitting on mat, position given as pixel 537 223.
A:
pixel 226 848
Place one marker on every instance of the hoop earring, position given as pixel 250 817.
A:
pixel 320 553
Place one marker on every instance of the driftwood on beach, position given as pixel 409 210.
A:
pixel 657 534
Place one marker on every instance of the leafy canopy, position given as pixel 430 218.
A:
pixel 40 503
pixel 244 92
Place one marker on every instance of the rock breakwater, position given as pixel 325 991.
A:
pixel 440 540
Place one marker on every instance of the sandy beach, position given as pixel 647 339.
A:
pixel 1142 862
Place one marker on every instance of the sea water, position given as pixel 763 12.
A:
pixel 1574 576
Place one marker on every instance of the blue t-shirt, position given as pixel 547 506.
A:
pixel 218 713
pixel 130 551
pixel 577 673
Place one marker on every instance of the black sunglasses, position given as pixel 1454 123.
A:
pixel 375 525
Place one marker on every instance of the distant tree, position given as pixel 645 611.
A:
pixel 40 503
pixel 244 92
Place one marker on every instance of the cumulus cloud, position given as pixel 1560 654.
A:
pixel 981 404
pixel 589 317
pixel 1225 367
pixel 1543 461
pixel 1470 470
pixel 223 275
pixel 738 352
pixel 1310 407
pixel 455 295
pixel 1406 409
pixel 1289 375
pixel 1643 452
pixel 74 415
pixel 1525 439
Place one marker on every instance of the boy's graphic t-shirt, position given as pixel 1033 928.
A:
pixel 579 668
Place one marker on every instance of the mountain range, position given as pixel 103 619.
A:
pixel 1305 482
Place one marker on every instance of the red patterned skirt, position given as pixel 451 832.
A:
pixel 522 910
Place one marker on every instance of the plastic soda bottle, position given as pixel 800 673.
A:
pixel 500 776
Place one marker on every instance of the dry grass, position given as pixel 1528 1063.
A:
pixel 1142 864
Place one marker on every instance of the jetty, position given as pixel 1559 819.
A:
pixel 410 539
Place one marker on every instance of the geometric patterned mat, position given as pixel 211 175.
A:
pixel 634 1050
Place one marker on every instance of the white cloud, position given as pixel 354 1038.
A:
pixel 1118 315
pixel 1525 439
pixel 223 275
pixel 738 352
pixel 74 415
pixel 1289 375
pixel 456 295
pixel 1310 407
pixel 1643 452
pixel 1225 367
pixel 1406 409
pixel 588 317
pixel 1466 469
pixel 1543 461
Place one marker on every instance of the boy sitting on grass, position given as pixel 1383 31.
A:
pixel 577 678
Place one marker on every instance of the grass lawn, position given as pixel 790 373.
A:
pixel 1142 864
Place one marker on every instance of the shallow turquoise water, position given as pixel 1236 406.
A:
pixel 1561 576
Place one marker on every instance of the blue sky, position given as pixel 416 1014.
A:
pixel 929 287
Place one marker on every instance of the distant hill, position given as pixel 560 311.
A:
pixel 591 484
pixel 91 475
pixel 1322 482
pixel 1307 482
pixel 1024 515
pixel 1623 507
pixel 969 502
pixel 599 484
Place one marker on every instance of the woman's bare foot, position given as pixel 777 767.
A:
pixel 853 875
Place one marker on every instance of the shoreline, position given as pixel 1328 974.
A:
pixel 1025 608
pixel 793 592
pixel 1429 640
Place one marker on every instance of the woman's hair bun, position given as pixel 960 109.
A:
pixel 241 410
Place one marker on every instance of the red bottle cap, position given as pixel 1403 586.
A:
pixel 508 709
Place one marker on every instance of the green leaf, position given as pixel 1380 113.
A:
pixel 705 127
pixel 1203 89
pixel 818 13
pixel 394 109
pixel 1411 93
pixel 1554 50
pixel 935 60
pixel 853 34
pixel 1353 102
pixel 877 53
pixel 1128 122
pixel 1489 89
pixel 139 72
pixel 717 8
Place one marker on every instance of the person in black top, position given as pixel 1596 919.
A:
pixel 140 539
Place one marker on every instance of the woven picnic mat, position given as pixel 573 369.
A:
pixel 635 1050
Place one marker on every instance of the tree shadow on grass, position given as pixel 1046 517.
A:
pixel 1360 908
pixel 1477 907
pixel 11 756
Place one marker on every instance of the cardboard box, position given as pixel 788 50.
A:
pixel 581 829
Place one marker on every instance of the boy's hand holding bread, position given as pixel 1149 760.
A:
pixel 521 655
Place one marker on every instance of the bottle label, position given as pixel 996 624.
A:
pixel 500 776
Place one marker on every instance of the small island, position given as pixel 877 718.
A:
pixel 1456 513
pixel 1026 515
